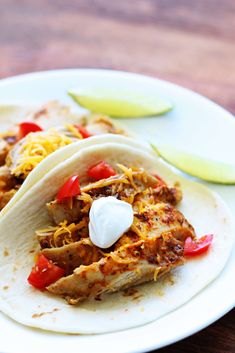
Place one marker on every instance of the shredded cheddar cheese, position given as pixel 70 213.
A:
pixel 130 188
pixel 74 131
pixel 116 258
pixel 105 182
pixel 156 272
pixel 129 174
pixel 37 147
pixel 136 229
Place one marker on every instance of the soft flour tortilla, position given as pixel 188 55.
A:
pixel 21 302
pixel 61 155
pixel 13 114
pixel 57 115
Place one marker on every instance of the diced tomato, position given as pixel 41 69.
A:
pixel 102 170
pixel 44 273
pixel 83 131
pixel 160 181
pixel 198 246
pixel 70 188
pixel 27 127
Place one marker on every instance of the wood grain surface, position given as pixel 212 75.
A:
pixel 191 43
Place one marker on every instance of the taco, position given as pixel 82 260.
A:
pixel 29 136
pixel 107 241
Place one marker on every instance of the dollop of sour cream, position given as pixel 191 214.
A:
pixel 109 219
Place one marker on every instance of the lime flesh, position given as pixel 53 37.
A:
pixel 200 167
pixel 120 104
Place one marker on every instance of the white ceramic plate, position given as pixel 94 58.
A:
pixel 196 123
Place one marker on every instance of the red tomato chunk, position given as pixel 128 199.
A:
pixel 70 188
pixel 27 127
pixel 102 170
pixel 197 247
pixel 83 131
pixel 44 273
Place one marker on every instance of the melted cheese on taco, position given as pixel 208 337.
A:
pixel 152 246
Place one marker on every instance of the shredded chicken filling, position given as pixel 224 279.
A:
pixel 147 195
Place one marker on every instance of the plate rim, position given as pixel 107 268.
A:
pixel 227 114
pixel 64 71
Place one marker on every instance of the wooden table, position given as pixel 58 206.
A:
pixel 187 42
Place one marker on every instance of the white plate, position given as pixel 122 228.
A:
pixel 195 122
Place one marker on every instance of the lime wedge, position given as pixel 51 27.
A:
pixel 120 104
pixel 200 167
